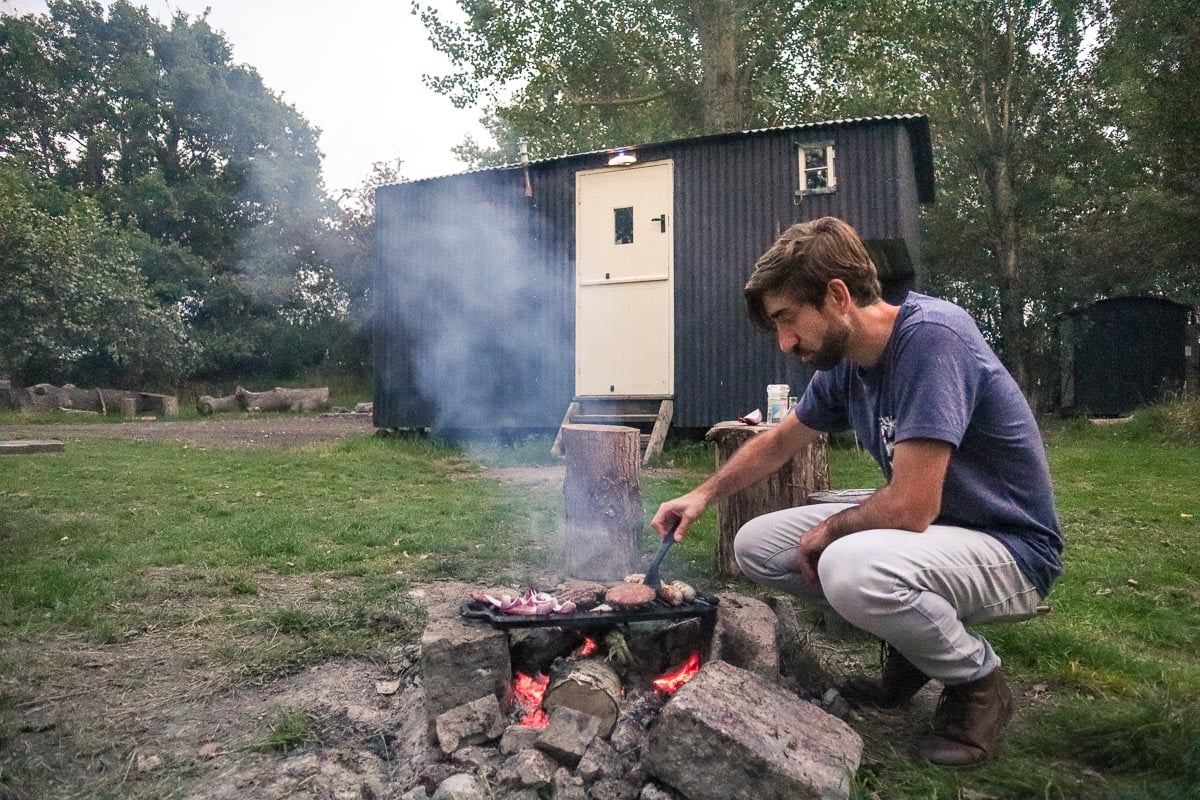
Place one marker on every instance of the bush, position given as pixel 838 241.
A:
pixel 1175 420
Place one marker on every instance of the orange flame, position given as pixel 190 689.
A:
pixel 587 648
pixel 529 693
pixel 671 681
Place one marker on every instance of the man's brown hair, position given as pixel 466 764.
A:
pixel 804 260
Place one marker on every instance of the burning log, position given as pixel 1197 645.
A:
pixel 603 503
pixel 590 686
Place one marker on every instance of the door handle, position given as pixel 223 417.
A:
pixel 662 222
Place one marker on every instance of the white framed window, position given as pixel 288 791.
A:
pixel 818 174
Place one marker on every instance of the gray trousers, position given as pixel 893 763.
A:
pixel 916 591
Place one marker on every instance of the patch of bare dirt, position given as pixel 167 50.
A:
pixel 265 431
pixel 170 710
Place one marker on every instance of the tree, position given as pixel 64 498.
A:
pixel 73 304
pixel 586 75
pixel 1017 136
pixel 169 135
pixel 1146 218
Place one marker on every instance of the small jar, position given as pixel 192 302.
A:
pixel 777 402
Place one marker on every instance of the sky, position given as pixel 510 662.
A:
pixel 351 67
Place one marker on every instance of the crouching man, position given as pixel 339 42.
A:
pixel 964 532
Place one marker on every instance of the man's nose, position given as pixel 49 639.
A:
pixel 787 341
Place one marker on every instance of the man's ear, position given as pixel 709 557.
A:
pixel 839 294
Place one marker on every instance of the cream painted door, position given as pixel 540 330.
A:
pixel 624 298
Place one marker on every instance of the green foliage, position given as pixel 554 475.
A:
pixel 1067 166
pixel 75 305
pixel 573 76
pixel 1175 420
pixel 212 181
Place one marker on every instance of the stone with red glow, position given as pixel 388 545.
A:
pixel 568 735
pixel 730 734
pixel 472 723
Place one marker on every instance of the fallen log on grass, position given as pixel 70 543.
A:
pixel 278 399
pixel 71 398
pixel 207 404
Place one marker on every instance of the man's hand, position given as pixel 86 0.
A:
pixel 808 553
pixel 679 514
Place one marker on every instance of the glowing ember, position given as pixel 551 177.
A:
pixel 671 681
pixel 529 693
pixel 587 648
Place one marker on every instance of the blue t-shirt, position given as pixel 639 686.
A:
pixel 938 379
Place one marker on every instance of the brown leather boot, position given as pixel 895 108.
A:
pixel 967 725
pixel 897 682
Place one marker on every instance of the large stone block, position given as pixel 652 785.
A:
pixel 747 635
pixel 568 735
pixel 471 723
pixel 732 735
pixel 462 661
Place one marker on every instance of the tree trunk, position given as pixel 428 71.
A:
pixel 725 92
pixel 590 686
pixel 603 502
pixel 1009 284
pixel 787 488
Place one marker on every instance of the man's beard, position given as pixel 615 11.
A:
pixel 832 351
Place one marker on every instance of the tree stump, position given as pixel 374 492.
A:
pixel 790 486
pixel 603 502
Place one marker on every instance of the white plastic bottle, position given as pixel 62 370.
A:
pixel 777 402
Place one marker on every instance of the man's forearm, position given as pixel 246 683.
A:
pixel 883 509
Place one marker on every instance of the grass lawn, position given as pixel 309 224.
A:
pixel 281 559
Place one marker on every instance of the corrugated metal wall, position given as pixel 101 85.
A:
pixel 476 284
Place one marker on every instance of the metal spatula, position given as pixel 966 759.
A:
pixel 652 580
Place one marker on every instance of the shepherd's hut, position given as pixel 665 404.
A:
pixel 609 283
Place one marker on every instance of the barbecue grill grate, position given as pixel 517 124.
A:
pixel 704 605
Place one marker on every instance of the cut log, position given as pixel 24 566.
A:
pixel 788 487
pixel 48 397
pixel 280 399
pixel 590 686
pixel 603 502
pixel 206 404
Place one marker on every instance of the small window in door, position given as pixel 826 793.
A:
pixel 817 174
pixel 623 222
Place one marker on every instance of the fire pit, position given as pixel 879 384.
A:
pixel 627 704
